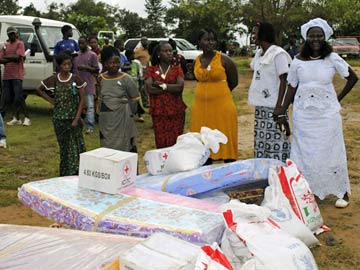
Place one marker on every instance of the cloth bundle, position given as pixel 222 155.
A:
pixel 190 152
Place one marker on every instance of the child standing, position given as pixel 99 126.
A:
pixel 119 97
pixel 68 104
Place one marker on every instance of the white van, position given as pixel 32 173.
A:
pixel 39 36
pixel 184 48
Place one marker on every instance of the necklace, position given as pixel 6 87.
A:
pixel 163 74
pixel 65 80
pixel 315 58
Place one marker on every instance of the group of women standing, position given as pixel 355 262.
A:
pixel 317 145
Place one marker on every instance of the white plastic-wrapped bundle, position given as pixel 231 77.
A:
pixel 25 247
pixel 161 252
pixel 190 152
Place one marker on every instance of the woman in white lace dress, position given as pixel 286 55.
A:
pixel 318 146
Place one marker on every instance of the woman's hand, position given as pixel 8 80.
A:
pixel 74 123
pixel 278 112
pixel 157 84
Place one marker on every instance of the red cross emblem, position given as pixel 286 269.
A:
pixel 165 155
pixel 126 169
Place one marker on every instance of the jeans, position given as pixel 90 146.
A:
pixel 13 94
pixel 2 128
pixel 90 111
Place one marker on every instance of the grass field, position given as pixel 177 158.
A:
pixel 33 154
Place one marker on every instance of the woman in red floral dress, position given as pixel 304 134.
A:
pixel 165 83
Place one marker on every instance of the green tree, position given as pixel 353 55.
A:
pixel 130 23
pixel 87 25
pixel 342 15
pixel 89 17
pixel 30 10
pixel 9 7
pixel 186 17
pixel 155 19
pixel 285 15
pixel 54 12
pixel 90 9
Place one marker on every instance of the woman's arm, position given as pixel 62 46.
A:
pixel 282 88
pixel 177 87
pixel 158 87
pixel 279 112
pixel 153 87
pixel 75 122
pixel 351 81
pixel 231 71
pixel 42 94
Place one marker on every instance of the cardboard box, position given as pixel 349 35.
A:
pixel 107 170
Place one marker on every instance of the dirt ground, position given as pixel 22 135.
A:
pixel 344 223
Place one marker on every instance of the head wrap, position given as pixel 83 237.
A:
pixel 318 22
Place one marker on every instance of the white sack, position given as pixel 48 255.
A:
pixel 302 200
pixel 190 152
pixel 271 247
pixel 282 213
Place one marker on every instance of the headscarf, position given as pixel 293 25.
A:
pixel 318 22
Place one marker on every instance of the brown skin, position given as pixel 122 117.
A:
pixel 153 87
pixel 64 74
pixel 11 57
pixel 316 38
pixel 93 43
pixel 83 45
pixel 282 87
pixel 112 65
pixel 208 45
pixel 66 35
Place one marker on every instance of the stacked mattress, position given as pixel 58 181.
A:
pixel 134 212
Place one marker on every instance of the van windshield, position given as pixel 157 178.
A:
pixel 52 35
pixel 185 45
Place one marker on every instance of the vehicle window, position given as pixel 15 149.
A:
pixel 352 42
pixel 185 45
pixel 28 36
pixel 52 35
pixel 131 44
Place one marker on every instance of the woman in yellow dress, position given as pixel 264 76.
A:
pixel 213 105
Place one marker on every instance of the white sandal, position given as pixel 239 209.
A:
pixel 341 203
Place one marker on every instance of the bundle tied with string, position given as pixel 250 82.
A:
pixel 190 152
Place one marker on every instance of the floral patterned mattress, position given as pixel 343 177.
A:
pixel 135 212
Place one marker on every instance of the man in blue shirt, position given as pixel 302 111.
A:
pixel 124 62
pixel 66 44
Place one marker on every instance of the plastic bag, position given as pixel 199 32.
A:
pixel 212 258
pixel 235 250
pixel 271 247
pixel 282 213
pixel 301 198
pixel 190 152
